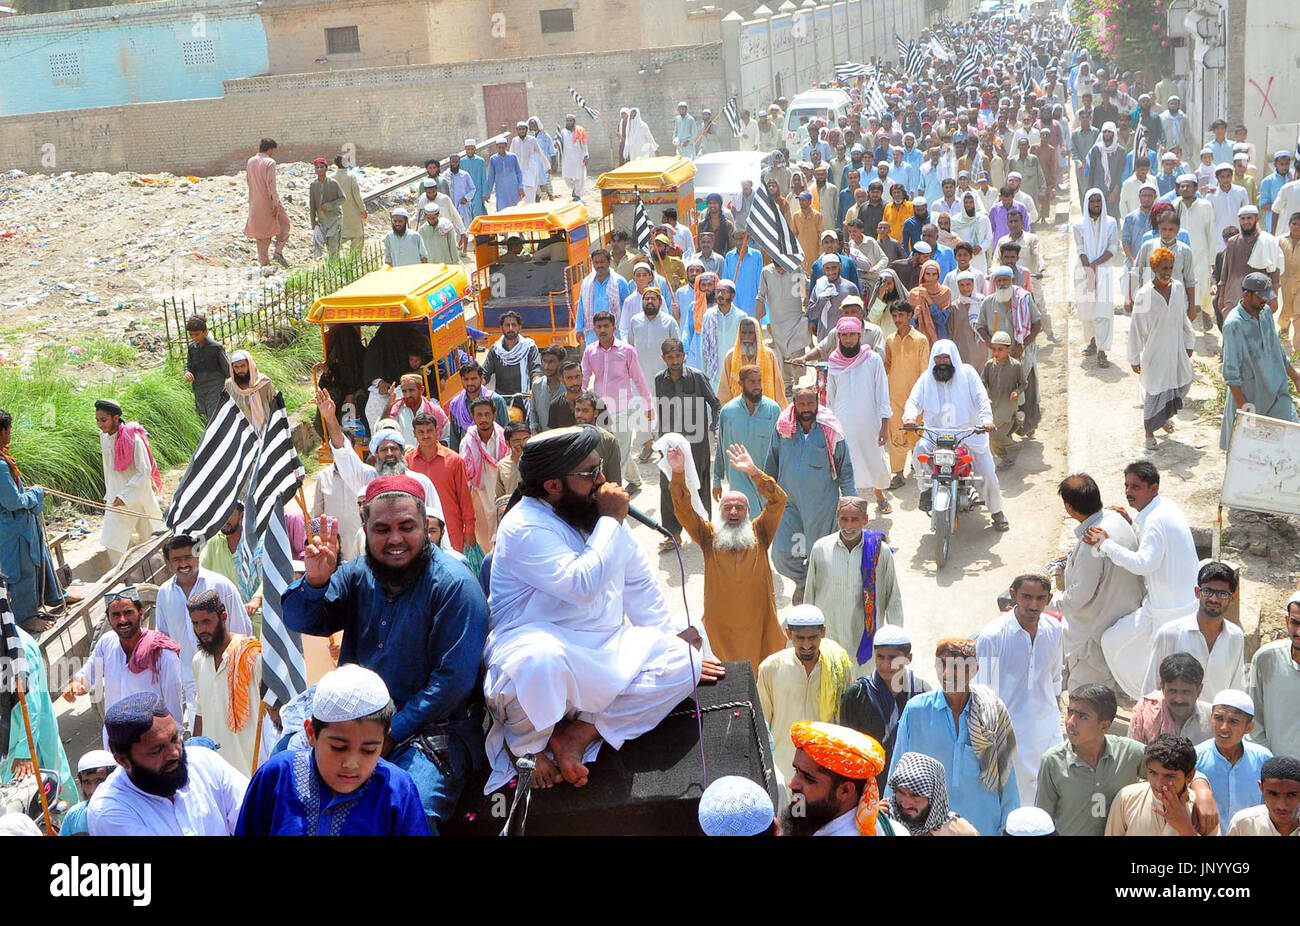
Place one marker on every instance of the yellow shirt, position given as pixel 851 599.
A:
pixel 1254 821
pixel 788 694
pixel 213 697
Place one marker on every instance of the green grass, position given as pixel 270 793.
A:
pixel 55 439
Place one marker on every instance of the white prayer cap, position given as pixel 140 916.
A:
pixel 1174 97
pixel 348 693
pixel 694 262
pixel 1222 165
pixel 857 149
pixel 429 183
pixel 1149 186
pixel 96 758
pixel 471 143
pixel 891 635
pixel 1241 146
pixel 1248 209
pixel 729 284
pixel 1207 150
pixel 1186 178
pixel 805 615
pixel 1238 700
pixel 1015 175
pixel 1169 156
pixel 400 213
pixel 922 247
pixel 521 123
pixel 430 208
pixel 571 116
pixel 1108 127
pixel 735 806
pixel 1294 599
pixel 1240 156
pixel 1281 154
pixel 829 233
pixel 639 264
pixel 965 275
pixel 1030 821
pixel 1001 272
pixel 681 103
pixel 830 259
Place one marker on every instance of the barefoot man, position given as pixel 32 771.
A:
pixel 564 670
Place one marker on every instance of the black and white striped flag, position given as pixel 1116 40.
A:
pixel 1026 82
pixel 578 98
pixel 901 46
pixel 1140 140
pixel 915 61
pixel 967 70
pixel 210 487
pixel 733 116
pixel 13 671
pixel 641 228
pixel 873 100
pixel 771 232
pixel 276 478
pixel 849 70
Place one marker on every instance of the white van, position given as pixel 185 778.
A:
pixel 812 105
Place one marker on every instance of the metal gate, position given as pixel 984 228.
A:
pixel 504 105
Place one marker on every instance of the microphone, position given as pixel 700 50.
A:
pixel 638 515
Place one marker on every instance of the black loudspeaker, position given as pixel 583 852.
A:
pixel 650 787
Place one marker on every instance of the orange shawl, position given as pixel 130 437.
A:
pixel 244 652
pixel 922 295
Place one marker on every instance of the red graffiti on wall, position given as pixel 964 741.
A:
pixel 1264 92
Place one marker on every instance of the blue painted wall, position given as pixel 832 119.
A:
pixel 102 63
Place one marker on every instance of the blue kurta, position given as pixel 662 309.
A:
pixel 801 466
pixel 288 797
pixel 745 278
pixel 737 426
pixel 1253 359
pixel 426 644
pixel 505 179
pixel 24 558
pixel 45 728
pixel 476 167
pixel 1235 787
pixel 927 727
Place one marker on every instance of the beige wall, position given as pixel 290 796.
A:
pixel 391 33
pixel 378 111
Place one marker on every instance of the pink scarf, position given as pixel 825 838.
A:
pixel 837 362
pixel 474 452
pixel 124 450
pixel 426 405
pixel 149 650
pixel 831 428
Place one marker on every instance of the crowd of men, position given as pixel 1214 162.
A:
pixel 493 618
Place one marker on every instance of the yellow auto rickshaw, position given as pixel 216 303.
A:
pixel 390 322
pixel 531 258
pixel 661 182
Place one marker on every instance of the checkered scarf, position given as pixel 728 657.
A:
pixel 923 775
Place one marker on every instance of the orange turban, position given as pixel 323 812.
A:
pixel 849 753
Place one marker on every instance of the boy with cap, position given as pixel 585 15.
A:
pixel 1279 815
pixel 340 786
pixel 1230 762
pixel 92 769
pixel 1004 378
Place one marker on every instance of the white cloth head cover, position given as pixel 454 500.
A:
pixel 471 143
pixel 673 439
pixel 730 284
pixel 1095 233
pixel 1248 209
pixel 1185 178
pixel 401 213
pixel 96 758
pixel 431 208
pixel 1294 599
pixel 348 693
pixel 805 615
pixel 1030 821
pixel 735 806
pixel 1238 700
pixel 922 247
pixel 386 435
pixel 891 635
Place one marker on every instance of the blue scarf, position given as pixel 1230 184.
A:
pixel 871 541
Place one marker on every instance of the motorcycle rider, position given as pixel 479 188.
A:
pixel 951 396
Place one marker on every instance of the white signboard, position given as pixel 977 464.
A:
pixel 1263 468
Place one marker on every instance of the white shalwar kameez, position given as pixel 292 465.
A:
pixel 532 164
pixel 1094 287
pixel 134 486
pixel 859 397
pixel 109 663
pixel 1160 338
pixel 1166 558
pixel 558 645
pixel 573 160
pixel 958 404
pixel 1026 674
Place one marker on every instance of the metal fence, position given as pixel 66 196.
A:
pixel 236 322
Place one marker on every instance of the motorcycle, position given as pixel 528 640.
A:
pixel 23 796
pixel 951 480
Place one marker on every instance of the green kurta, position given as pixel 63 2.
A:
pixel 45 727
pixel 1253 359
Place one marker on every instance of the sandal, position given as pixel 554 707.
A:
pixel 883 506
pixel 667 546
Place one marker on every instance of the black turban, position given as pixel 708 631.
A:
pixel 109 406
pixel 553 454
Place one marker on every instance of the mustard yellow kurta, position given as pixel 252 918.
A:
pixel 906 358
pixel 739 602
pixel 771 368
pixel 788 694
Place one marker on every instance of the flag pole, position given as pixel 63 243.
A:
pixel 36 761
pixel 257 737
pixel 306 515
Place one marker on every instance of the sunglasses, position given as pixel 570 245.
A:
pixel 591 474
pixel 128 592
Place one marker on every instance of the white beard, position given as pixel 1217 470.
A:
pixel 396 468
pixel 738 539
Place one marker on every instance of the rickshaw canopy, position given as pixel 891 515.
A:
pixel 648 173
pixel 406 293
pixel 549 216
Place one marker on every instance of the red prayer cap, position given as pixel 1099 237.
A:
pixel 404 484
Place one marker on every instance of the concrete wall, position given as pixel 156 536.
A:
pixel 389 115
pixel 127 54
pixel 1266 69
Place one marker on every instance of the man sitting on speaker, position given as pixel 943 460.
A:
pixel 564 670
